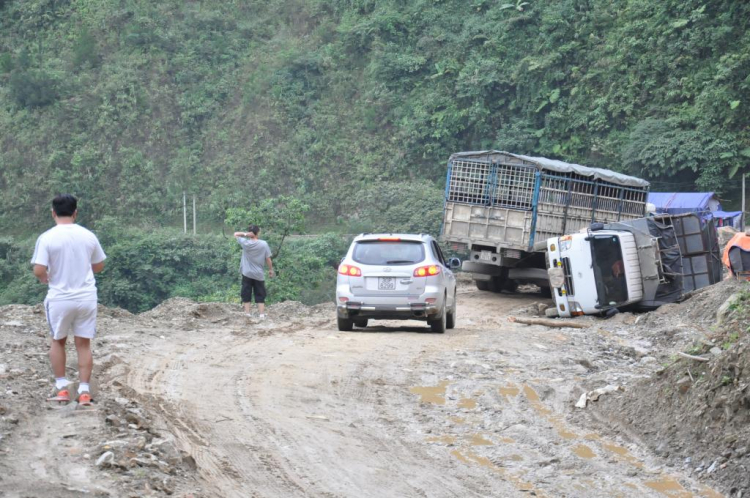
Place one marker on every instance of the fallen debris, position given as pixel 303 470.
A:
pixel 595 394
pixel 549 323
pixel 692 357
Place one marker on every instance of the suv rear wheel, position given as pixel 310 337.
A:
pixel 438 324
pixel 345 324
pixel 450 320
pixel 360 322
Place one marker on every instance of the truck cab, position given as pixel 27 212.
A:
pixel 593 272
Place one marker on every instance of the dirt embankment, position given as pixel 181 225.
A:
pixel 694 410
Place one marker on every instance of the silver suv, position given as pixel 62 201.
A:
pixel 396 277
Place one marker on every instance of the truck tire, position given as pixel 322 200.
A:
pixel 482 285
pixel 345 324
pixel 497 284
pixel 546 292
pixel 360 322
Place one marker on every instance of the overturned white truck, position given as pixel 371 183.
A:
pixel 638 264
pixel 502 207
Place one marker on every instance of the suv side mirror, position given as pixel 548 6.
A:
pixel 454 263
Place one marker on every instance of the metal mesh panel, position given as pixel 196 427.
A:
pixel 514 186
pixel 569 202
pixel 469 182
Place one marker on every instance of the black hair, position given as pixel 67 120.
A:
pixel 254 228
pixel 64 205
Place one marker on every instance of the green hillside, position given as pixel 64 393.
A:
pixel 128 103
pixel 343 112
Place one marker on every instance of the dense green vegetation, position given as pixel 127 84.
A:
pixel 353 106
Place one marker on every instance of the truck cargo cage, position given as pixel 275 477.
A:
pixel 493 184
pixel 497 199
pixel 569 202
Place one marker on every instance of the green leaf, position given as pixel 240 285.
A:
pixel 734 170
pixel 726 155
pixel 734 104
pixel 680 23
pixel 745 152
pixel 554 96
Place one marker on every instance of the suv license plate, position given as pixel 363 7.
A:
pixel 386 283
pixel 485 256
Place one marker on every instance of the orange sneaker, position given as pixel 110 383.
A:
pixel 84 399
pixel 61 395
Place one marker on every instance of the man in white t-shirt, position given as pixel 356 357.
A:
pixel 66 258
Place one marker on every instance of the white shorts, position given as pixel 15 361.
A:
pixel 76 317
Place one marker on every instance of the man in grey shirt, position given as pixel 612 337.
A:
pixel 255 254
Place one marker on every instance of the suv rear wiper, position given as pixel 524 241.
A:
pixel 397 261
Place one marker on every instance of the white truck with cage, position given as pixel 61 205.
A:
pixel 501 208
pixel 637 264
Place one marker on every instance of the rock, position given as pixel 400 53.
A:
pixel 541 308
pixel 648 359
pixel 581 403
pixel 684 384
pixel 113 420
pixel 726 309
pixel 106 459
pixel 711 468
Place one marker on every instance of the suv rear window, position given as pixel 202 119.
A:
pixel 378 252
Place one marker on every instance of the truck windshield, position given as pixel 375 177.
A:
pixel 609 271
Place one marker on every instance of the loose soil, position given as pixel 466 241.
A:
pixel 199 400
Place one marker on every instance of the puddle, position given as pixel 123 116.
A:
pixel 669 487
pixel 509 391
pixel 479 440
pixel 623 453
pixel 584 451
pixel 430 394
pixel 473 458
pixel 467 403
pixel 441 439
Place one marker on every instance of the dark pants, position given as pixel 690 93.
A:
pixel 251 286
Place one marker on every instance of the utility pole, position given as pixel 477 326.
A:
pixel 193 214
pixel 744 209
pixel 184 212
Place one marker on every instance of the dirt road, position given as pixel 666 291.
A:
pixel 292 407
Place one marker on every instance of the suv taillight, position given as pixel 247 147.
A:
pixel 427 271
pixel 351 271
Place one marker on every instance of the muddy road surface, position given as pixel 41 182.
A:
pixel 291 407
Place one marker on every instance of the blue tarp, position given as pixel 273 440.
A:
pixel 683 202
pixel 704 203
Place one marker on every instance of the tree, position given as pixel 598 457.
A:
pixel 279 217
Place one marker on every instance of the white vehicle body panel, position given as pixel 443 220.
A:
pixel 579 292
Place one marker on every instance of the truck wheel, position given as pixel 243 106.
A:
pixel 345 324
pixel 496 284
pixel 546 292
pixel 511 285
pixel 438 324
pixel 360 322
pixel 482 285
